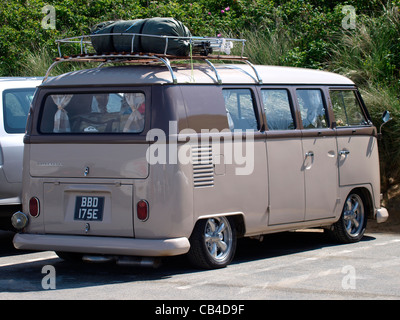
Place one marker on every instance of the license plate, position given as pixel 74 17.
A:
pixel 89 208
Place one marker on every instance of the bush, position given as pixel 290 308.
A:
pixel 304 33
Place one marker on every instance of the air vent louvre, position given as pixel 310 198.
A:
pixel 203 168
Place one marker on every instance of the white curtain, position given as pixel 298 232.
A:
pixel 135 122
pixel 226 94
pixel 61 120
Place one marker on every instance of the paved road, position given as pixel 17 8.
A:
pixel 293 265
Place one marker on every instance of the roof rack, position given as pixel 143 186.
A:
pixel 221 45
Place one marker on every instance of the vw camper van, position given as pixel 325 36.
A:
pixel 159 159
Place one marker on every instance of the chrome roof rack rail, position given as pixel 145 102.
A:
pixel 220 45
pixel 116 58
pixel 215 71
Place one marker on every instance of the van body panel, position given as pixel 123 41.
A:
pixel 229 193
pixel 169 192
pixel 286 180
pixel 203 112
pixel 357 163
pixel 61 214
pixel 321 177
pixel 89 160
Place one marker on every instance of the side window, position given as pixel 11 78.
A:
pixel 16 103
pixel 312 109
pixel 240 109
pixel 347 109
pixel 277 109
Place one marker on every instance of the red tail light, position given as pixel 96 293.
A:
pixel 34 207
pixel 143 210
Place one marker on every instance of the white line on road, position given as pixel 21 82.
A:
pixel 27 258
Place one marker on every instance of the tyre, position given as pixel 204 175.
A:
pixel 212 243
pixel 353 220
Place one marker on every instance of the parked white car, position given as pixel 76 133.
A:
pixel 16 95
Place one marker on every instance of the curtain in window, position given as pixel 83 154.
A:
pixel 227 94
pixel 61 120
pixel 135 122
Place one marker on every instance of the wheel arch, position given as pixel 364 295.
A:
pixel 368 200
pixel 236 217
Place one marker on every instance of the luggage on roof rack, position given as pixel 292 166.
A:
pixel 161 48
pixel 116 36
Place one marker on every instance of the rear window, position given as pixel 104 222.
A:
pixel 91 113
pixel 16 104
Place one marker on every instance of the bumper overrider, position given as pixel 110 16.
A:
pixel 381 215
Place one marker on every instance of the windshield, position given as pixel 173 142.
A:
pixel 91 113
pixel 16 104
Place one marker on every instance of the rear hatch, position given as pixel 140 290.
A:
pixel 88 189
pixel 88 181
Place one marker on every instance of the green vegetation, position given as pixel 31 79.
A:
pixel 307 33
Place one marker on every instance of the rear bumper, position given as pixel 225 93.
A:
pixel 102 245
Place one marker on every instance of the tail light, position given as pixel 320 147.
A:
pixel 34 207
pixel 142 210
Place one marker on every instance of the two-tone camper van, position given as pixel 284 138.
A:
pixel 158 159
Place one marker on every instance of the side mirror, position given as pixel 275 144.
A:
pixel 385 118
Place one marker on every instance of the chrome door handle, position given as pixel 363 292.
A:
pixel 344 152
pixel 310 154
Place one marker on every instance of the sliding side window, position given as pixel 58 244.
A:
pixel 312 108
pixel 277 109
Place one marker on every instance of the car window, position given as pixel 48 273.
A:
pixel 347 109
pixel 312 109
pixel 119 112
pixel 16 104
pixel 239 106
pixel 277 109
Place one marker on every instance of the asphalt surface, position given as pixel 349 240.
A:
pixel 292 265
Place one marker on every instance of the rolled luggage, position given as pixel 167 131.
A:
pixel 116 36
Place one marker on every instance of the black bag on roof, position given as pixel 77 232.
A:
pixel 106 36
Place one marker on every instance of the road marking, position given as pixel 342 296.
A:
pixel 27 258
pixel 192 285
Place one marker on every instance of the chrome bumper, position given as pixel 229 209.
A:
pixel 102 245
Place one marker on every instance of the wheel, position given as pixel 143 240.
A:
pixel 212 243
pixel 353 221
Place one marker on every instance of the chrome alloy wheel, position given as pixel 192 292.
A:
pixel 218 238
pixel 354 215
